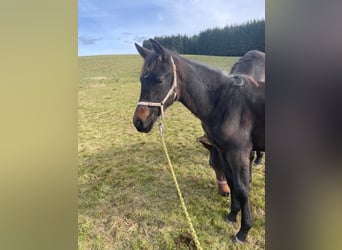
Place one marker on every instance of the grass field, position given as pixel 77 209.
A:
pixel 127 199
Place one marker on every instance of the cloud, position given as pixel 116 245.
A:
pixel 130 37
pixel 140 39
pixel 87 40
pixel 119 23
pixel 193 16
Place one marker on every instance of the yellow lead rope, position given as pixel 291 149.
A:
pixel 193 233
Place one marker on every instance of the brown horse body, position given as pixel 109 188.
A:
pixel 231 109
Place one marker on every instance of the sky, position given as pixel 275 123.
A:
pixel 112 27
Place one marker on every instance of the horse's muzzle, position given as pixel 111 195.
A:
pixel 144 119
pixel 142 126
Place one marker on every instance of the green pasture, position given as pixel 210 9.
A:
pixel 127 198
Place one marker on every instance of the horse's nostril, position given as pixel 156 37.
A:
pixel 139 123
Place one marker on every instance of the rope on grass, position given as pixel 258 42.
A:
pixel 193 233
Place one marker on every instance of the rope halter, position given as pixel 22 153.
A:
pixel 172 91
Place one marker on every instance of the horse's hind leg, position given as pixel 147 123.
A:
pixel 252 156
pixel 259 158
pixel 240 166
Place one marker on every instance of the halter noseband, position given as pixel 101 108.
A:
pixel 171 91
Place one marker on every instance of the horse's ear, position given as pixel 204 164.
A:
pixel 142 51
pixel 158 48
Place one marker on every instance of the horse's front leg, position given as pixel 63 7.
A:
pixel 240 166
pixel 251 159
pixel 217 164
pixel 234 202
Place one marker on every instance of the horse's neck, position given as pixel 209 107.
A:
pixel 197 86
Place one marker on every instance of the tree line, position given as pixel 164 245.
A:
pixel 233 40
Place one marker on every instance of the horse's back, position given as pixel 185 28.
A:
pixel 252 64
pixel 238 95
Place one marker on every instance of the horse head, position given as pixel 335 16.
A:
pixel 158 86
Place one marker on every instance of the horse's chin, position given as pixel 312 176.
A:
pixel 145 129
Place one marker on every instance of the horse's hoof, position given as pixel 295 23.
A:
pixel 237 241
pixel 223 189
pixel 257 164
pixel 230 218
pixel 224 193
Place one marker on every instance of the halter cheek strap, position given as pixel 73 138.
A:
pixel 172 91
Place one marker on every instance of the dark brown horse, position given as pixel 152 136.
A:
pixel 252 64
pixel 231 109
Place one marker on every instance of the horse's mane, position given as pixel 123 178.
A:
pixel 183 65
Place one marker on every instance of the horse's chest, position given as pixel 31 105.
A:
pixel 213 133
